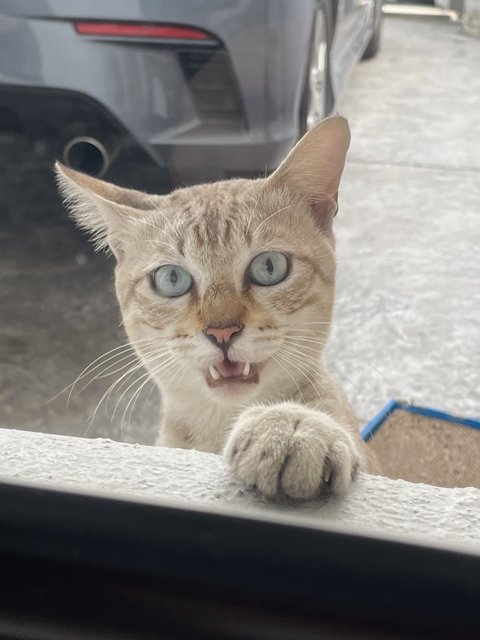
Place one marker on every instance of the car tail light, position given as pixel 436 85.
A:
pixel 132 30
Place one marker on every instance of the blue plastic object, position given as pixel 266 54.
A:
pixel 394 405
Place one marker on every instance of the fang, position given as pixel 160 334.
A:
pixel 214 373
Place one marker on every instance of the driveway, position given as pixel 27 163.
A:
pixel 408 245
pixel 409 226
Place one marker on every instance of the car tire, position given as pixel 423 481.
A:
pixel 317 99
pixel 374 44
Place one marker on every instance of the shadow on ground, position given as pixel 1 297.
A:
pixel 58 314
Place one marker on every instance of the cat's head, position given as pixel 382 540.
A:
pixel 225 288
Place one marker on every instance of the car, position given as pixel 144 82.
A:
pixel 201 89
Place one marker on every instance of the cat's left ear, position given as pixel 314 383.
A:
pixel 314 166
pixel 107 212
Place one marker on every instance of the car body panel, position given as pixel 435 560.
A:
pixel 354 28
pixel 142 85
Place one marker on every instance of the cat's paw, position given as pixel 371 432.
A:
pixel 291 450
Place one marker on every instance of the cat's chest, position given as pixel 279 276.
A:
pixel 196 425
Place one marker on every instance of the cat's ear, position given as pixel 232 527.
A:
pixel 105 211
pixel 313 168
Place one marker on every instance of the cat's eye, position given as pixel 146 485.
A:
pixel 268 268
pixel 171 281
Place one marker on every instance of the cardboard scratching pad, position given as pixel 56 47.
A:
pixel 425 445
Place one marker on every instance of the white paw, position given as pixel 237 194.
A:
pixel 287 449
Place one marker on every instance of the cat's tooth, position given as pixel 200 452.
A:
pixel 214 373
pixel 246 369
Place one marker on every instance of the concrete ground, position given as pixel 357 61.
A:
pixel 409 226
pixel 408 244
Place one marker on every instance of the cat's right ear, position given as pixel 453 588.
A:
pixel 107 212
pixel 313 168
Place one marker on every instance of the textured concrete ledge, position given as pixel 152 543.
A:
pixel 374 505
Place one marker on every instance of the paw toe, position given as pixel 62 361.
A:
pixel 300 477
pixel 342 464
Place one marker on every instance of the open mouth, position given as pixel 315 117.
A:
pixel 228 372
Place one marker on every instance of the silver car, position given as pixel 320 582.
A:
pixel 201 89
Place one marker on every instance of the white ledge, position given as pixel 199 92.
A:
pixel 374 505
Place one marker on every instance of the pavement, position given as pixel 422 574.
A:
pixel 408 232
pixel 408 237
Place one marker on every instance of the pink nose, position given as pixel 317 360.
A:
pixel 222 334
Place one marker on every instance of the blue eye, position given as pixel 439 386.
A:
pixel 268 268
pixel 171 281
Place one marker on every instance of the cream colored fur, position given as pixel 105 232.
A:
pixel 294 432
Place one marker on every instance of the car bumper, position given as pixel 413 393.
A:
pixel 189 106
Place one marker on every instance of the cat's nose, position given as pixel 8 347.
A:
pixel 222 335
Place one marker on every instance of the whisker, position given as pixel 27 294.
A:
pixel 147 374
pixel 306 339
pixel 271 216
pixel 289 374
pixel 154 350
pixel 153 387
pixel 308 331
pixel 174 231
pixel 126 347
pixel 109 391
pixel 137 396
pixel 255 207
pixel 304 346
pixel 152 223
pixel 381 374
pixel 146 343
pixel 106 373
pixel 180 369
pixel 133 400
pixel 143 220
pixel 304 358
pixel 363 373
pixel 153 356
pixel 291 361
pixel 124 356
pixel 86 385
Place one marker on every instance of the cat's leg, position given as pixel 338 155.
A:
pixel 293 450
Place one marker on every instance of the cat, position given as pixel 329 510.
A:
pixel 226 292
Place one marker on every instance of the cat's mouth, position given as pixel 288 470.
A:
pixel 228 372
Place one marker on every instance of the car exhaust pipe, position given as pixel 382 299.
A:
pixel 87 155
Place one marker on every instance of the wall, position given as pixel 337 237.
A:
pixel 374 505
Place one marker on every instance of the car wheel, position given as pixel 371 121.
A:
pixel 316 100
pixel 374 45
